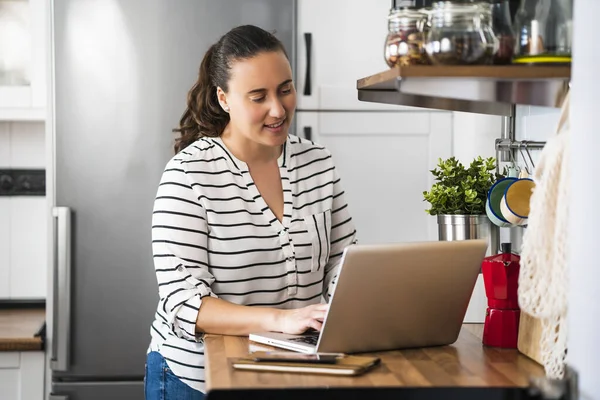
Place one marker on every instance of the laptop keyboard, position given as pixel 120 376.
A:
pixel 308 339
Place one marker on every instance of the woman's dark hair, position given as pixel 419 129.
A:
pixel 203 115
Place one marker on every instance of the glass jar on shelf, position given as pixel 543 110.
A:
pixel 461 34
pixel 544 31
pixel 404 42
pixel 502 27
pixel 426 22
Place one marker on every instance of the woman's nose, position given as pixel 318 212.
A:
pixel 277 110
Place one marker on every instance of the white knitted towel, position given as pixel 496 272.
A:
pixel 543 276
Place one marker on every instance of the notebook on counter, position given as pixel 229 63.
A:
pixel 345 366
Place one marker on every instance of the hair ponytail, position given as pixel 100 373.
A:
pixel 204 115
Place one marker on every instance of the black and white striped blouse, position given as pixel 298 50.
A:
pixel 214 235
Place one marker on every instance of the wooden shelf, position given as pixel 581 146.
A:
pixel 479 89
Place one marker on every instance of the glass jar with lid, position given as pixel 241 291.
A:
pixel 502 26
pixel 544 31
pixel 404 42
pixel 461 34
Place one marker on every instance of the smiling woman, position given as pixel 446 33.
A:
pixel 244 84
pixel 261 100
pixel 249 222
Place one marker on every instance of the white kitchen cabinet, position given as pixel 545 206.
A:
pixel 28 257
pixel 347 39
pixel 4 247
pixel 23 236
pixel 4 216
pixel 22 375
pixel 384 159
pixel 23 59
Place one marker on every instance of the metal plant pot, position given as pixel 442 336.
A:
pixel 463 227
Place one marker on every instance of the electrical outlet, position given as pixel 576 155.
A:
pixel 22 182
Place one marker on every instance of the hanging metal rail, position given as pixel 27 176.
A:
pixel 508 144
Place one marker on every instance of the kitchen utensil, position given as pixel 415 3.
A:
pixel 514 205
pixel 501 279
pixel 494 197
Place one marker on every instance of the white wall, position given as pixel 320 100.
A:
pixel 475 135
pixel 535 123
pixel 584 268
pixel 22 219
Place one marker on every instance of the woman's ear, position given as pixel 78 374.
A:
pixel 222 97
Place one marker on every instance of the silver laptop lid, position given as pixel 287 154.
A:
pixel 401 295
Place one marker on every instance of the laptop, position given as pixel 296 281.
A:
pixel 393 296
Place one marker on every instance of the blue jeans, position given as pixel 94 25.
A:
pixel 160 383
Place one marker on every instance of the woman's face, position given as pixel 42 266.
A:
pixel 261 98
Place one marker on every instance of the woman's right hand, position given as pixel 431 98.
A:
pixel 299 320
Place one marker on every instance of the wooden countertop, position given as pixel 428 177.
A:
pixel 18 327
pixel 465 363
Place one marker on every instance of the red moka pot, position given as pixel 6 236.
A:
pixel 501 279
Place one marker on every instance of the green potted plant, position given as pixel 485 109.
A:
pixel 458 197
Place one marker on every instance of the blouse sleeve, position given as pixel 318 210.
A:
pixel 179 245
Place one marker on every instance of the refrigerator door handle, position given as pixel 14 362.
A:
pixel 62 291
pixel 307 80
pixel 308 133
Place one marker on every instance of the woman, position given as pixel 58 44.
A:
pixel 249 223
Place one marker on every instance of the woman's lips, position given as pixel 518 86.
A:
pixel 276 127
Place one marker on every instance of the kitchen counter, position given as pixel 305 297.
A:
pixel 463 365
pixel 18 328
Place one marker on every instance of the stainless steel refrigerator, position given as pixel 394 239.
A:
pixel 121 72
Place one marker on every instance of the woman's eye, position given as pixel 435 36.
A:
pixel 258 99
pixel 286 90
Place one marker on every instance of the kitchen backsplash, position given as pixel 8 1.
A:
pixel 23 255
pixel 475 135
pixel 536 123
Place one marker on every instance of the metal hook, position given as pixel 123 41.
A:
pixel 512 157
pixel 529 155
pixel 523 156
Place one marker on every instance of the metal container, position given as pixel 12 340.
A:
pixel 463 227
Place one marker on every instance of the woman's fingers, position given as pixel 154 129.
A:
pixel 316 325
pixel 299 320
pixel 318 315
